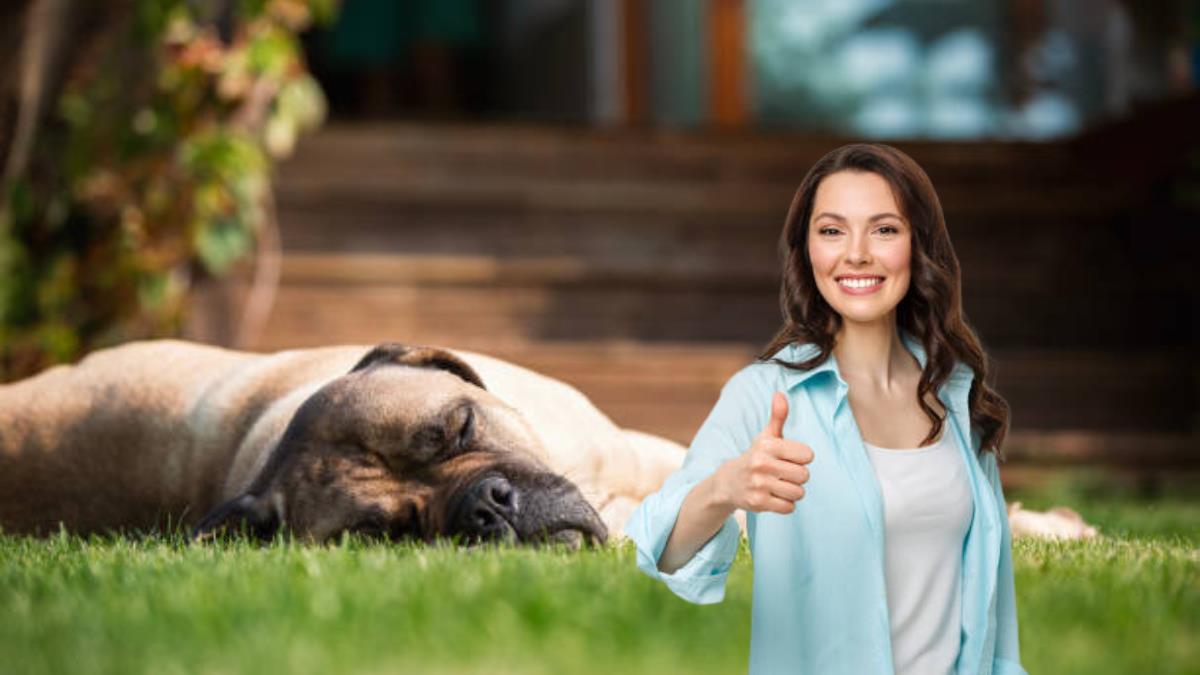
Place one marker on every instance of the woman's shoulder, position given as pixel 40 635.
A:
pixel 794 352
pixel 771 373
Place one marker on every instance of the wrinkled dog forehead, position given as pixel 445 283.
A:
pixel 412 393
pixel 396 391
pixel 392 353
pixel 410 380
pixel 394 386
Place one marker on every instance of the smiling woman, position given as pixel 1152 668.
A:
pixel 863 445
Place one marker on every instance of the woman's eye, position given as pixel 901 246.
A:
pixel 886 229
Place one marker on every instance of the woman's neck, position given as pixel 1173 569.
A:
pixel 873 354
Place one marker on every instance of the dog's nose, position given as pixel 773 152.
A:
pixel 490 506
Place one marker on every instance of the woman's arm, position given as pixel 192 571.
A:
pixel 700 518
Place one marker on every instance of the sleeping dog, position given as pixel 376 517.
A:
pixel 398 441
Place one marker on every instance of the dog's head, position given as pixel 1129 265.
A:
pixel 409 444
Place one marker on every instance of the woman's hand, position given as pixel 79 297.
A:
pixel 770 476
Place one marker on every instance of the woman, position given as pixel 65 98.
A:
pixel 862 446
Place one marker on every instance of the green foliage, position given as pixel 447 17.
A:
pixel 1124 604
pixel 153 170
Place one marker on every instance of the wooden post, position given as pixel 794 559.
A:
pixel 727 62
pixel 635 63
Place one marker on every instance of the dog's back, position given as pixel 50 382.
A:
pixel 74 439
pixel 137 434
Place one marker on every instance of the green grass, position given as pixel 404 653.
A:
pixel 1123 604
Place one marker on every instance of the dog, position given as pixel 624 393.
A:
pixel 393 441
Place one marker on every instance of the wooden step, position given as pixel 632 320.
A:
pixel 463 150
pixel 657 264
pixel 504 192
pixel 519 314
pixel 1114 449
pixel 684 298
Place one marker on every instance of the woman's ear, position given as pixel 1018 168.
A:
pixel 251 514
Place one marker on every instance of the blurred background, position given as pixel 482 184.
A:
pixel 595 189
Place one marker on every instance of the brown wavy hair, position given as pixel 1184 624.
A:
pixel 931 311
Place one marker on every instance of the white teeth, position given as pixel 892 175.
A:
pixel 860 283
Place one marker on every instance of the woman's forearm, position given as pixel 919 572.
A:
pixel 700 517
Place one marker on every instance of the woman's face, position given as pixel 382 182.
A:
pixel 857 231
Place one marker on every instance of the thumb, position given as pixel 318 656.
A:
pixel 779 413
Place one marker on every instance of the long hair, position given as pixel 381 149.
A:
pixel 931 310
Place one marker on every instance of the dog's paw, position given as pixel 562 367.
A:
pixel 1059 522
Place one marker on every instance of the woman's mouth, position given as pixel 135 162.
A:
pixel 861 285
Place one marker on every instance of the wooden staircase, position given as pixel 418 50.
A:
pixel 641 267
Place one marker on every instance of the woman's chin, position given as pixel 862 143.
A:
pixel 861 315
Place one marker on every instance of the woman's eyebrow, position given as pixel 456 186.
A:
pixel 877 216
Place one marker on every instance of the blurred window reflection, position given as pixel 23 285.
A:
pixel 951 69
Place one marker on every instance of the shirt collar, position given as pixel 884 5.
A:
pixel 960 377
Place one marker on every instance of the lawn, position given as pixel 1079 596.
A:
pixel 1126 603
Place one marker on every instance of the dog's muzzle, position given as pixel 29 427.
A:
pixel 545 509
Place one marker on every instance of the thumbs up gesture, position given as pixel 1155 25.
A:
pixel 770 475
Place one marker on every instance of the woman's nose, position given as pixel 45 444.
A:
pixel 858 250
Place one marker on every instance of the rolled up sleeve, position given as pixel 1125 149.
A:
pixel 726 433
pixel 1007 658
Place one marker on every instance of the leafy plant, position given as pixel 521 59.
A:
pixel 150 170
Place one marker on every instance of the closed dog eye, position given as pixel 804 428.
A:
pixel 464 419
pixel 450 435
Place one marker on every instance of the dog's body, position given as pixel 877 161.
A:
pixel 148 433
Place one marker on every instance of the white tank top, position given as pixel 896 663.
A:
pixel 927 510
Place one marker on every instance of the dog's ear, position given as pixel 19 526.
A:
pixel 421 357
pixel 248 513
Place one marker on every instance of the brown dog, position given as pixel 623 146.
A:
pixel 394 441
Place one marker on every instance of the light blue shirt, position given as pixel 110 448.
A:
pixel 820 603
